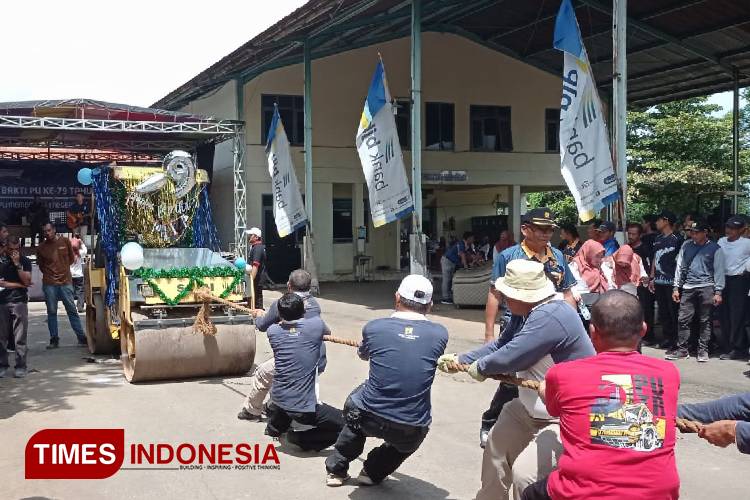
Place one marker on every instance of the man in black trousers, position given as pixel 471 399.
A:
pixel 733 339
pixel 666 248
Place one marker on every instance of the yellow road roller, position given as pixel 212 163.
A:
pixel 142 304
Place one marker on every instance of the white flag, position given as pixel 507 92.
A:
pixel 586 160
pixel 288 208
pixel 380 155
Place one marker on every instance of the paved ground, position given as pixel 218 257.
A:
pixel 69 391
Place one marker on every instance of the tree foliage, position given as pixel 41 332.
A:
pixel 679 157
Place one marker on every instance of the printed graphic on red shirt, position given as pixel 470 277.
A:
pixel 632 416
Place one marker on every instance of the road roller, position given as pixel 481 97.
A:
pixel 157 308
pixel 144 307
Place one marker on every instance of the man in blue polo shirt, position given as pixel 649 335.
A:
pixel 538 226
pixel 455 258
pixel 393 404
pixel 296 344
pixel 260 383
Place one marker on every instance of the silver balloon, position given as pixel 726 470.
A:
pixel 152 183
pixel 181 169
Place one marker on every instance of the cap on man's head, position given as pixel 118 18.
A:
pixel 416 288
pixel 607 226
pixel 525 281
pixel 699 226
pixel 253 231
pixel 736 222
pixel 541 216
pixel 667 216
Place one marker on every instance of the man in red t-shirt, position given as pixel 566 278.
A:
pixel 617 414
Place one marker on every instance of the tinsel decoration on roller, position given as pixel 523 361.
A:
pixel 160 209
pixel 204 230
pixel 108 216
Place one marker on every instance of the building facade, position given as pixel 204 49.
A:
pixel 489 133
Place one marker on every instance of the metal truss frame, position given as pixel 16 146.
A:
pixel 240 196
pixel 90 157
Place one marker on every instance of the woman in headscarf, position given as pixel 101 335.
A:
pixel 624 270
pixel 586 267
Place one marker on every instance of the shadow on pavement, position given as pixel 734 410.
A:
pixel 56 375
pixel 400 485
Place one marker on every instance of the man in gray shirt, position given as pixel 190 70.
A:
pixel 698 283
pixel 525 439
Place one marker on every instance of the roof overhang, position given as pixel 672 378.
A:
pixel 676 48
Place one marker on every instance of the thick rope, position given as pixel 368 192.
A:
pixel 684 425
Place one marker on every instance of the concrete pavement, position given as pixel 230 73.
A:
pixel 70 391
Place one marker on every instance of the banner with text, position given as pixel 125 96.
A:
pixel 586 160
pixel 288 207
pixel 380 155
pixel 54 183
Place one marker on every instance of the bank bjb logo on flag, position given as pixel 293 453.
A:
pixel 380 154
pixel 74 453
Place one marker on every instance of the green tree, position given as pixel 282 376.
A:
pixel 679 157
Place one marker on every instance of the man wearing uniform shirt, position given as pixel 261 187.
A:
pixel 607 239
pixel 733 338
pixel 537 226
pixel 256 259
pixel 524 442
pixel 296 343
pixel 260 383
pixel 394 403
pixel 666 247
pixel 15 278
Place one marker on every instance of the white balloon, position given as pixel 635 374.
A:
pixel 131 256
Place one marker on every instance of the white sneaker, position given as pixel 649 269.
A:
pixel 364 479
pixel 483 436
pixel 334 481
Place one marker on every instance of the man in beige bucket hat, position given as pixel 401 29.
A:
pixel 524 445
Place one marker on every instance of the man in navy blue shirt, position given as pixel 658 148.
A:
pixel 607 231
pixel 296 344
pixel 455 258
pixel 260 383
pixel 393 404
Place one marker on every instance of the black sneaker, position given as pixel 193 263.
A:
pixel 82 341
pixel 3 371
pixel 446 301
pixel 54 343
pixel 702 356
pixel 246 415
pixel 733 355
pixel 676 354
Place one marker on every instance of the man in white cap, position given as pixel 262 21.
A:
pixel 393 404
pixel 256 260
pixel 524 444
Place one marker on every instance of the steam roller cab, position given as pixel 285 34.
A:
pixel 157 311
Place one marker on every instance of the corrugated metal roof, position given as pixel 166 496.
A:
pixel 676 48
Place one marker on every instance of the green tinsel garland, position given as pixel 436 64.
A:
pixel 194 274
